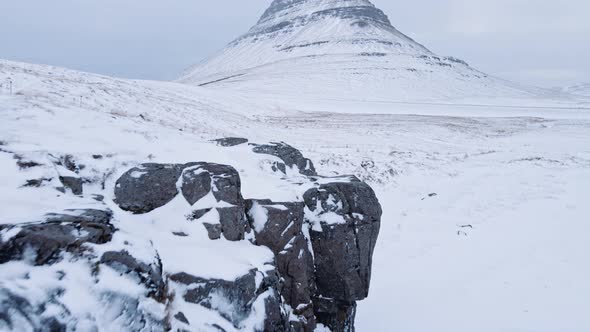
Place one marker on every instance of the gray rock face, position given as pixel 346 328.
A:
pixel 281 230
pixel 196 184
pixel 47 240
pixel 238 297
pixel 225 181
pixel 146 274
pixel 289 155
pixel 343 251
pixel 72 183
pixel 233 222
pixel 338 316
pixel 148 187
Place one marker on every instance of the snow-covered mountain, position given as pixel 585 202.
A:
pixel 346 48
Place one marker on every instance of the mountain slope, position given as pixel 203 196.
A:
pixel 348 49
pixel 580 89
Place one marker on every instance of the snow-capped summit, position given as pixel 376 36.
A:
pixel 314 51
pixel 294 28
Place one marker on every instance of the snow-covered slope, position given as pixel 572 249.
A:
pixel 580 89
pixel 349 48
pixel 485 218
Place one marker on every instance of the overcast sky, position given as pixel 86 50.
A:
pixel 540 42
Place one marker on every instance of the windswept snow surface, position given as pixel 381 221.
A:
pixel 485 208
pixel 580 89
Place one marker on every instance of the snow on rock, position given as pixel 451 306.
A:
pixel 169 245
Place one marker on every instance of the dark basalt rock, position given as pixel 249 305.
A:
pixel 230 141
pixel 147 187
pixel 181 317
pixel 149 275
pixel 282 233
pixel 72 183
pixel 338 316
pixel 59 233
pixel 343 251
pixel 289 155
pixel 233 223
pixel 196 184
pixel 225 182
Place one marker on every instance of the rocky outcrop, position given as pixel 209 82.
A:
pixel 44 242
pixel 345 219
pixel 290 156
pixel 312 256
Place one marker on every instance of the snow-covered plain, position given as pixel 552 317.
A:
pixel 485 207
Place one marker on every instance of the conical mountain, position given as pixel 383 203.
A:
pixel 342 49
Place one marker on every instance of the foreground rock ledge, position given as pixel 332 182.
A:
pixel 319 252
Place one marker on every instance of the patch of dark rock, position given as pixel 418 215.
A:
pixel 180 234
pixel 98 198
pixel 373 54
pixel 213 231
pixel 282 233
pixel 14 307
pixel 181 317
pixel 288 154
pixel 69 162
pixel 240 294
pixel 225 180
pixel 230 141
pixel 27 164
pixel 36 183
pixel 46 241
pixel 279 167
pixel 97 156
pixel 338 316
pixel 196 184
pixel 75 184
pixel 147 187
pixel 430 196
pixel 149 275
pixel 233 223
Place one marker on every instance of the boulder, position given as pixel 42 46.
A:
pixel 288 154
pixel 345 218
pixel 147 187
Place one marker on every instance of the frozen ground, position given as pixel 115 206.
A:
pixel 486 207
